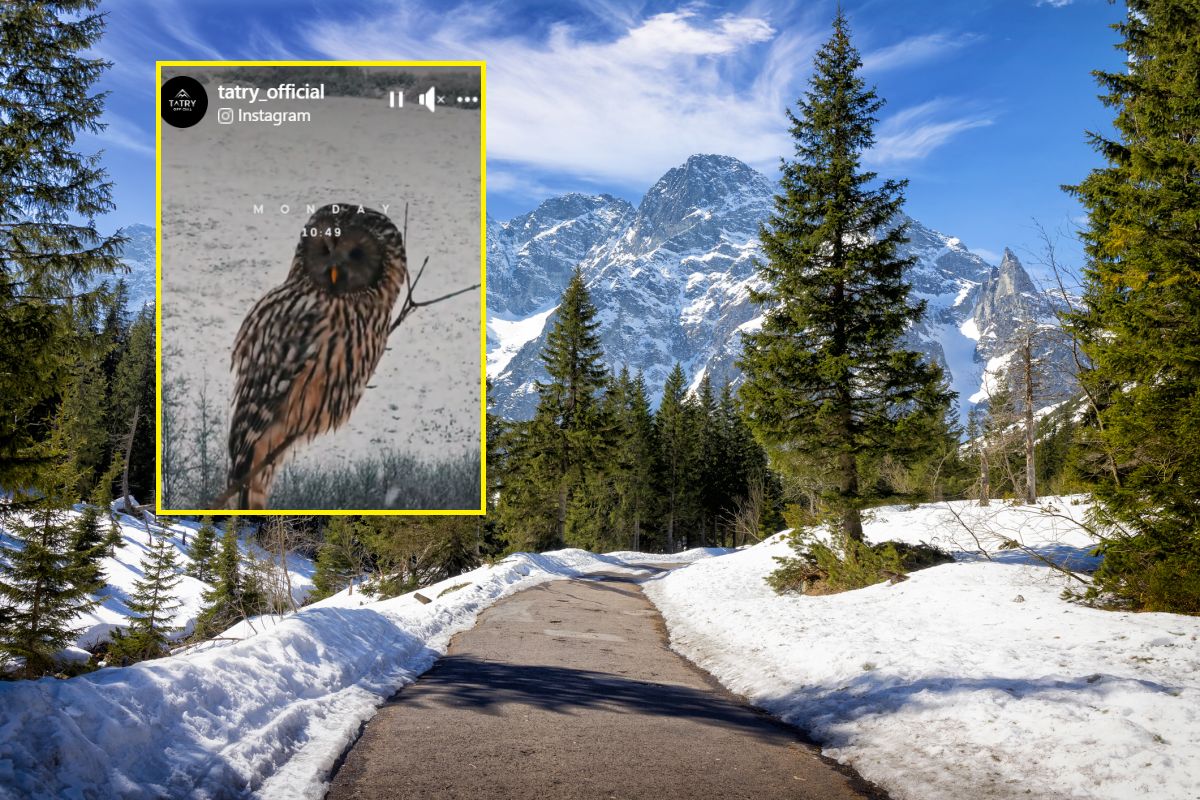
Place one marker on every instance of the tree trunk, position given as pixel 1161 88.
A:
pixel 848 488
pixel 985 477
pixel 137 410
pixel 1030 470
pixel 562 516
pixel 671 527
pixel 287 577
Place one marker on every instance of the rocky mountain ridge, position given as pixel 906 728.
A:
pixel 671 281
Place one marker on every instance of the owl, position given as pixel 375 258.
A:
pixel 307 349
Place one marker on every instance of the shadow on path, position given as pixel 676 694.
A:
pixel 462 681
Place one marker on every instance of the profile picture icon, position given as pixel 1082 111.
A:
pixel 182 101
pixel 224 116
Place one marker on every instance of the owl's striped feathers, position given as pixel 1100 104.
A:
pixel 307 349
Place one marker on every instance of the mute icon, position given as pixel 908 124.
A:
pixel 427 99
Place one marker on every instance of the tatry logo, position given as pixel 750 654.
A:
pixel 184 101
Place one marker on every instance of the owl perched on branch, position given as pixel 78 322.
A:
pixel 307 349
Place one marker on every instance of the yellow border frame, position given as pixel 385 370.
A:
pixel 482 66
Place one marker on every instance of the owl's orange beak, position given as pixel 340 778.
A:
pixel 333 276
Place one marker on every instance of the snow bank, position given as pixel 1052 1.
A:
pixel 123 568
pixel 685 557
pixel 267 715
pixel 973 679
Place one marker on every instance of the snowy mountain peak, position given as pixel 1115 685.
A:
pixel 689 196
pixel 531 257
pixel 671 282
pixel 566 208
pixel 1011 278
pixel 1009 297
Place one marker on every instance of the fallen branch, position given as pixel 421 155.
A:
pixel 1009 543
pixel 982 550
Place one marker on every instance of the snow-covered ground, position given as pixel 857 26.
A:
pixel 267 714
pixel 123 568
pixel 969 680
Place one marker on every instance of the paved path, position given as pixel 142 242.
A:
pixel 568 690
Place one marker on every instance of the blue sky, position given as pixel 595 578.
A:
pixel 987 102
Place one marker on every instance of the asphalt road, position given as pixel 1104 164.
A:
pixel 569 690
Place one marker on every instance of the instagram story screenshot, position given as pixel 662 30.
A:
pixel 320 279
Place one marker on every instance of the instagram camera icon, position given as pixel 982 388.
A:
pixel 224 116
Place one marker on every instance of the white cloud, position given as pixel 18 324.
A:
pixel 915 50
pixel 1054 3
pixel 123 134
pixel 519 183
pixel 173 19
pixel 990 256
pixel 917 131
pixel 623 108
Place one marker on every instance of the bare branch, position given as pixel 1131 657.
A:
pixel 409 305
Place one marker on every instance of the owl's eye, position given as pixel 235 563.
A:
pixel 356 253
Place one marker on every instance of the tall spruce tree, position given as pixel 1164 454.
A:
pixel 81 421
pixel 90 543
pixel 826 377
pixel 634 461
pixel 50 195
pixel 154 603
pixel 742 468
pixel 552 455
pixel 676 459
pixel 132 408
pixel 44 584
pixel 1141 325
pixel 711 450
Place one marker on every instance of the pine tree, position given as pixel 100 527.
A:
pixel 554 453
pixel 81 421
pixel 132 408
pixel 50 195
pixel 675 458
pixel 154 603
pixel 633 460
pixel 710 478
pixel 594 515
pixel 90 543
pixel 256 596
pixel 203 552
pixel 101 501
pixel 43 587
pixel 1141 325
pixel 223 603
pixel 340 560
pixel 742 472
pixel 826 377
